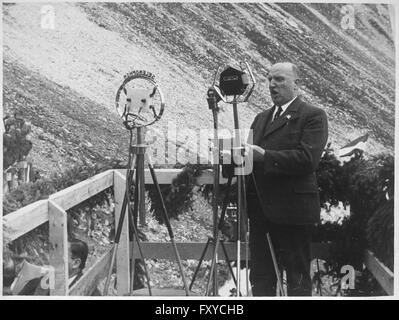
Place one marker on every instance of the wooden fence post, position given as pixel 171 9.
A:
pixel 58 240
pixel 122 256
pixel 380 272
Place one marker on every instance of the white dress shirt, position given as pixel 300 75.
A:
pixel 283 107
pixel 71 279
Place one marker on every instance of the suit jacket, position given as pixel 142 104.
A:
pixel 286 177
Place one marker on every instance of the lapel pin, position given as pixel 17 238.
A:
pixel 288 116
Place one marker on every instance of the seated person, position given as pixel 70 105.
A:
pixel 77 253
pixel 8 272
pixel 30 278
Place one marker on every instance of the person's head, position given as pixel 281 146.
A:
pixel 77 253
pixel 283 82
pixel 9 272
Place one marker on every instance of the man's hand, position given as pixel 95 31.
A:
pixel 257 152
pixel 225 156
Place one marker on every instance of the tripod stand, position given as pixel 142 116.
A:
pixel 241 211
pixel 241 214
pixel 137 155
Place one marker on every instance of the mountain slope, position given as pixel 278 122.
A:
pixel 70 74
pixel 67 127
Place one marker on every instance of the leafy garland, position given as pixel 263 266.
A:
pixel 178 196
pixel 42 188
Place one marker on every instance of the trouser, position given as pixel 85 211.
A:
pixel 292 248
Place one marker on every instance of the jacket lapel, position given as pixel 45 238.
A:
pixel 290 114
pixel 263 124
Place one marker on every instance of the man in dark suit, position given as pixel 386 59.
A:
pixel 288 141
pixel 77 255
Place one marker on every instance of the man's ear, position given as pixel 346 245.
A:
pixel 297 85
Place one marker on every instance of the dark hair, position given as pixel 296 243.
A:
pixel 8 272
pixel 79 249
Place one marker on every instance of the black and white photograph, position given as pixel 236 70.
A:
pixel 193 150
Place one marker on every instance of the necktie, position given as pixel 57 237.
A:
pixel 278 113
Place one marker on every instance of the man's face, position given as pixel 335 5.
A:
pixel 282 83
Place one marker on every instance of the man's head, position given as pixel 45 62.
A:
pixel 9 272
pixel 283 82
pixel 78 251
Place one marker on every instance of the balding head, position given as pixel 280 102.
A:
pixel 283 82
pixel 286 67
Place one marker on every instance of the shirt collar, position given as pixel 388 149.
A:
pixel 285 106
pixel 70 280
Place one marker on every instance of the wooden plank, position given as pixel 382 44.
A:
pixel 165 176
pixel 187 250
pixel 381 273
pixel 58 245
pixel 81 191
pixel 207 178
pixel 157 292
pixel 24 220
pixel 193 250
pixel 90 279
pixel 122 255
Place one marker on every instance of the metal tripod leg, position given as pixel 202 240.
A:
pixel 200 262
pixel 241 197
pixel 211 272
pixel 319 289
pixel 269 240
pixel 131 238
pixel 217 241
pixel 278 274
pixel 133 228
pixel 202 259
pixel 219 227
pixel 239 210
pixel 228 262
pixel 241 217
pixel 168 226
pixel 215 208
pixel 129 177
pixel 247 258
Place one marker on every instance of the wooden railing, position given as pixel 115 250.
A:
pixel 53 211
